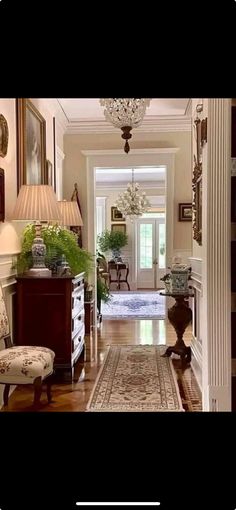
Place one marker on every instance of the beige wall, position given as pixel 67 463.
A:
pixel 75 170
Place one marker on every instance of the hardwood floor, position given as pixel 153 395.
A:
pixel 74 397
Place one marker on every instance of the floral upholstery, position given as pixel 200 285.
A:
pixel 21 365
pixel 4 323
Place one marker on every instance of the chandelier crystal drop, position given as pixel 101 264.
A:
pixel 126 114
pixel 132 203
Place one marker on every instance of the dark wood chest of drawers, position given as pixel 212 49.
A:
pixel 50 313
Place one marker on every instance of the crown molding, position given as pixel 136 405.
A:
pixel 152 124
pixel 118 152
pixel 109 186
pixel 188 111
pixel 60 153
pixel 54 107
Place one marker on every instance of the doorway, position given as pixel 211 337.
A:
pixel 151 251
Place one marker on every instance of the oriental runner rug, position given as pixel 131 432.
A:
pixel 134 305
pixel 136 378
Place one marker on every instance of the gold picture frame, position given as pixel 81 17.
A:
pixel 185 212
pixel 49 174
pixel 116 215
pixel 119 228
pixel 197 202
pixel 2 195
pixel 4 135
pixel 31 144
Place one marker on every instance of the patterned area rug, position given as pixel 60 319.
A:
pixel 136 378
pixel 134 305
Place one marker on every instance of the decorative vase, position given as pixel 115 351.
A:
pixel 180 280
pixel 116 254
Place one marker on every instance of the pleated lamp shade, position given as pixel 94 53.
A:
pixel 70 214
pixel 36 202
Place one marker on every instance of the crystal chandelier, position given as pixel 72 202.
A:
pixel 132 203
pixel 126 114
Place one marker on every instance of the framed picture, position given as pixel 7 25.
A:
pixel 185 212
pixel 197 202
pixel 31 144
pixel 116 215
pixel 4 134
pixel 198 137
pixel 204 131
pixel 2 195
pixel 119 228
pixel 54 153
pixel 49 174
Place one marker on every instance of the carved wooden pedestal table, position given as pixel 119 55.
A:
pixel 180 316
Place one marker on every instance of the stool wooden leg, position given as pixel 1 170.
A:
pixel 6 394
pixel 37 390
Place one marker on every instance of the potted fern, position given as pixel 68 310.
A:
pixel 60 243
pixel 114 241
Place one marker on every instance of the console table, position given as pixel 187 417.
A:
pixel 118 267
pixel 180 316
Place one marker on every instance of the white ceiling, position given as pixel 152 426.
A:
pixel 86 115
pixel 79 109
pixel 151 176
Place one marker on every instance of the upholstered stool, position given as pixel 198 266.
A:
pixel 26 365
pixel 23 364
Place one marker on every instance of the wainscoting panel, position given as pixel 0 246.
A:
pixel 196 283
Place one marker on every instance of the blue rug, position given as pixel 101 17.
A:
pixel 134 305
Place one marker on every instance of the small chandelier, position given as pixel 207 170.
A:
pixel 126 114
pixel 131 203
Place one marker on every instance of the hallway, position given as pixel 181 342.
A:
pixel 74 397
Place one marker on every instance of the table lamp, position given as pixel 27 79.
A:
pixel 70 214
pixel 70 217
pixel 37 203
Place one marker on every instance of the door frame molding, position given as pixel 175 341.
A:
pixel 118 159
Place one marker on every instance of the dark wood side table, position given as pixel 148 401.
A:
pixel 118 267
pixel 50 313
pixel 180 316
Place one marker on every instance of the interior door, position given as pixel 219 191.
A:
pixel 151 248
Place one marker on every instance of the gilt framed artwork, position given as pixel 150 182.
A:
pixel 31 144
pixel 2 195
pixel 185 212
pixel 49 174
pixel 116 215
pixel 119 228
pixel 4 135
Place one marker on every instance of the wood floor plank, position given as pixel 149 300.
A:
pixel 73 397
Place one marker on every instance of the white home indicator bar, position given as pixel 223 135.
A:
pixel 116 503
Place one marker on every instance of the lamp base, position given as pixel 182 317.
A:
pixel 39 272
